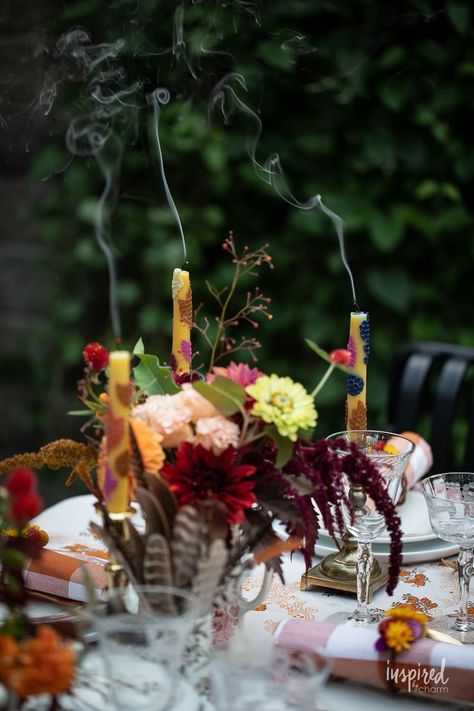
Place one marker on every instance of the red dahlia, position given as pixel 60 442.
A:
pixel 198 474
pixel 95 356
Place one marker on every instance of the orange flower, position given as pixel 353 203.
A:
pixel 149 444
pixel 39 665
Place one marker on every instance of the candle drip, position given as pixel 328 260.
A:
pixel 158 98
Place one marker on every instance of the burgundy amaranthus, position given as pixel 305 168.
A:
pixel 362 472
pixel 316 471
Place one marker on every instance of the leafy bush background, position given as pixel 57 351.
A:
pixel 377 117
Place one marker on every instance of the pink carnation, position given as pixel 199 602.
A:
pixel 172 415
pixel 197 405
pixel 217 433
pixel 169 416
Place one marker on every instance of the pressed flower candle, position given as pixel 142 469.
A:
pixel 359 349
pixel 182 322
pixel 115 476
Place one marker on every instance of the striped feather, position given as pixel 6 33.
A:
pixel 155 516
pixel 185 544
pixel 208 575
pixel 157 570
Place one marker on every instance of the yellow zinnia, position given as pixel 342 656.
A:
pixel 399 635
pixel 405 612
pixel 284 403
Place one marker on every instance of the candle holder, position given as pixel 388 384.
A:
pixel 117 578
pixel 338 570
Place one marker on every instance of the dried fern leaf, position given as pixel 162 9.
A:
pixel 208 575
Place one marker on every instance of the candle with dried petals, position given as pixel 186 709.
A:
pixel 359 348
pixel 114 472
pixel 182 322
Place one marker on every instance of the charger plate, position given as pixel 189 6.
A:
pixel 419 542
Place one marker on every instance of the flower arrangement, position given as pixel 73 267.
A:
pixel 218 455
pixel 401 627
pixel 33 661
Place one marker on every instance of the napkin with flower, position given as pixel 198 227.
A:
pixel 396 656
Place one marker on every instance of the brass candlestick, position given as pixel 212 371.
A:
pixel 338 570
pixel 116 576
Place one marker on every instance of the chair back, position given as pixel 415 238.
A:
pixel 431 392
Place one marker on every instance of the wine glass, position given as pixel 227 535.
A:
pixel 389 452
pixel 450 501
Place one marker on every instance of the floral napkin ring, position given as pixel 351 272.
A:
pixel 401 627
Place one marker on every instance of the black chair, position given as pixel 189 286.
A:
pixel 431 392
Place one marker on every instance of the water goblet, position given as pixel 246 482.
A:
pixel 450 501
pixel 389 452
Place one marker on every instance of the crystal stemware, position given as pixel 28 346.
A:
pixel 142 633
pixel 450 501
pixel 390 453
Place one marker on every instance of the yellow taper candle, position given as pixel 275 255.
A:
pixel 359 348
pixel 182 322
pixel 115 477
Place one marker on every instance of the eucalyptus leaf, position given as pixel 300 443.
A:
pixel 284 445
pixel 225 394
pixel 139 348
pixel 153 378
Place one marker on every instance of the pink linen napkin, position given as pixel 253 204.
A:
pixel 59 571
pixel 429 668
pixel 62 576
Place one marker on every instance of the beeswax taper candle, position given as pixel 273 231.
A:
pixel 359 348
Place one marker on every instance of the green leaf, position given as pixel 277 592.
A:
pixel 79 413
pixel 153 378
pixel 225 394
pixel 460 15
pixel 284 445
pixel 139 348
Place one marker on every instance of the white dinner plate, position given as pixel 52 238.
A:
pixel 415 520
pixel 419 542
pixel 434 549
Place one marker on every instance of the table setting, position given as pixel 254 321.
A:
pixel 214 560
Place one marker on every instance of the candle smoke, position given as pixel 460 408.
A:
pixel 228 101
pixel 158 98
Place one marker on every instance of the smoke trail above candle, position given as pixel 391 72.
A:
pixel 111 110
pixel 226 98
pixel 158 98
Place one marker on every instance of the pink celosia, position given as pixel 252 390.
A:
pixel 240 372
pixel 216 433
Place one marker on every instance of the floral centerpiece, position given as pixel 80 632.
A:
pixel 217 457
